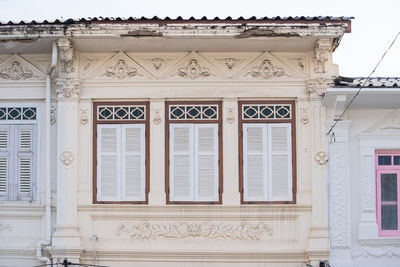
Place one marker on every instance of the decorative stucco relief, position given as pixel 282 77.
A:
pixel 15 72
pixel 393 123
pixel 68 87
pixel 321 55
pixel 376 252
pixel 5 227
pixel 66 54
pixel 338 195
pixel 84 117
pixel 67 158
pixel 230 118
pixel 157 117
pixel 53 114
pixel 321 158
pixel 368 183
pixel 242 231
pixel 304 115
pixel 194 70
pixel 120 71
pixel 266 70
pixel 318 86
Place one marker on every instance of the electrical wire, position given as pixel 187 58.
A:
pixel 361 87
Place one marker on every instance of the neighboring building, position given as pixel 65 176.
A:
pixel 364 172
pixel 165 142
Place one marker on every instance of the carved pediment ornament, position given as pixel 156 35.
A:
pixel 193 70
pixel 66 54
pixel 15 72
pixel 120 71
pixel 242 231
pixel 68 87
pixel 230 62
pixel 157 62
pixel 266 70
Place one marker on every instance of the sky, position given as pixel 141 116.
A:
pixel 374 27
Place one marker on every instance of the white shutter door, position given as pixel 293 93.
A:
pixel 4 161
pixel 133 162
pixel 181 162
pixel 25 162
pixel 108 162
pixel 254 162
pixel 280 158
pixel 206 162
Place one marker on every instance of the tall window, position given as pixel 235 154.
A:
pixel 18 152
pixel 121 152
pixel 267 152
pixel 388 191
pixel 193 152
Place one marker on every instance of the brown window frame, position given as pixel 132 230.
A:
pixel 293 128
pixel 220 147
pixel 147 147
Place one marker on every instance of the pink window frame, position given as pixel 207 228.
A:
pixel 382 169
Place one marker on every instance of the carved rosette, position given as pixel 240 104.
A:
pixel 194 70
pixel 68 88
pixel 266 70
pixel 321 55
pixel 67 158
pixel 321 158
pixel 120 71
pixel 15 72
pixel 66 54
pixel 318 86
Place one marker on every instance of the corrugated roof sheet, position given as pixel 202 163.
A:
pixel 371 82
pixel 303 19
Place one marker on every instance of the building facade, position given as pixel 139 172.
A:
pixel 159 142
pixel 364 171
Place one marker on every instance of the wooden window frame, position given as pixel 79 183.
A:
pixel 382 169
pixel 292 120
pixel 220 147
pixel 146 122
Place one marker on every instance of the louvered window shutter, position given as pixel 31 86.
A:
pixel 108 162
pixel 26 182
pixel 5 162
pixel 181 162
pixel 133 162
pixel 206 162
pixel 255 162
pixel 280 158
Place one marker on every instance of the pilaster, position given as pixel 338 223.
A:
pixel 66 239
pixel 157 194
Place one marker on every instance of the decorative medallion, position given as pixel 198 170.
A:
pixel 266 70
pixel 193 70
pixel 15 72
pixel 67 158
pixel 321 157
pixel 120 71
pixel 242 231
pixel 157 62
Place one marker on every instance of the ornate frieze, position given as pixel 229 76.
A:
pixel 67 158
pixel 120 71
pixel 66 54
pixel 321 55
pixel 266 70
pixel 194 70
pixel 68 87
pixel 242 231
pixel 15 72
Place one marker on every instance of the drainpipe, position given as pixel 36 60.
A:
pixel 47 239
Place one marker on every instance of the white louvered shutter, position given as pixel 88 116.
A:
pixel 280 158
pixel 108 162
pixel 25 162
pixel 206 162
pixel 4 161
pixel 133 162
pixel 181 162
pixel 255 162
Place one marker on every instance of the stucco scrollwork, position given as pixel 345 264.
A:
pixel 15 72
pixel 242 231
pixel 66 54
pixel 68 87
pixel 266 70
pixel 194 70
pixel 321 157
pixel 120 71
pixel 67 158
pixel 5 227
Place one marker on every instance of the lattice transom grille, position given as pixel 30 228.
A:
pixel 266 111
pixel 193 112
pixel 123 112
pixel 18 113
